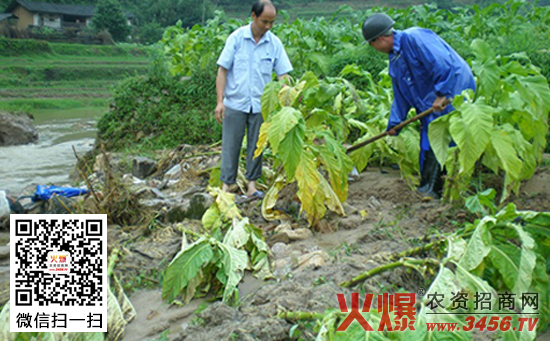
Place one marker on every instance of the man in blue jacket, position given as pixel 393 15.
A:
pixel 425 72
pixel 245 66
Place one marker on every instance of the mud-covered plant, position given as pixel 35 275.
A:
pixel 306 127
pixel 503 126
pixel 112 196
pixel 504 252
pixel 217 259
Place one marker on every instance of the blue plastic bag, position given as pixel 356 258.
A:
pixel 46 192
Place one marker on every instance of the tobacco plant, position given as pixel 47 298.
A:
pixel 503 126
pixel 217 258
pixel 306 127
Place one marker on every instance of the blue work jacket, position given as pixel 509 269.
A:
pixel 423 66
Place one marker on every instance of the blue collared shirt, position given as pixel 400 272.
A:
pixel 250 67
pixel 423 66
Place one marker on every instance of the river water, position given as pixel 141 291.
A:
pixel 51 159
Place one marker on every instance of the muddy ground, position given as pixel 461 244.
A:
pixel 383 217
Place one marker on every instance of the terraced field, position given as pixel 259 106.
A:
pixel 75 78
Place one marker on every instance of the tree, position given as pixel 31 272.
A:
pixel 168 12
pixel 110 16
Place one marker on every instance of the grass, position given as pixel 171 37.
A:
pixel 25 105
pixel 67 76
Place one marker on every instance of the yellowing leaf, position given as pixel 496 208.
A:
pixel 270 200
pixel 226 204
pixel 270 99
pixel 308 179
pixel 288 95
pixel 262 139
pixel 331 199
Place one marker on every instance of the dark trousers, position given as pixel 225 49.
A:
pixel 234 125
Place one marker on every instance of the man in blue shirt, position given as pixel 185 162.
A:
pixel 426 72
pixel 245 66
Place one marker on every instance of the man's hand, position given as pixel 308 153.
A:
pixel 440 103
pixel 392 132
pixel 220 112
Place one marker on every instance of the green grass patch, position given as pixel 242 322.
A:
pixel 56 73
pixel 18 47
pixel 25 105
pixel 31 47
pixel 99 50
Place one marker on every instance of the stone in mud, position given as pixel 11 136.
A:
pixel 142 167
pixel 16 129
pixel 173 173
pixel 279 250
pixel 286 236
pixel 314 259
pixel 193 208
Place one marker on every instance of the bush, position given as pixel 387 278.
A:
pixel 161 111
pixel 17 47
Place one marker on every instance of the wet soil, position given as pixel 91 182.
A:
pixel 384 217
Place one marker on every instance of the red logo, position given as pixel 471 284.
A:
pixel 402 304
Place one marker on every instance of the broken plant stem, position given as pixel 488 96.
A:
pixel 417 250
pixel 55 196
pixel 407 262
pixel 112 262
pixel 87 181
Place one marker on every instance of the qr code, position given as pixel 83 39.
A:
pixel 58 276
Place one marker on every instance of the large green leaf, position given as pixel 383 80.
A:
pixel 440 138
pixel 503 144
pixel 291 150
pixel 486 68
pixel 478 246
pixel 283 122
pixel 471 130
pixel 472 282
pixel 184 267
pixel 233 263
pixel 527 260
pixel 337 163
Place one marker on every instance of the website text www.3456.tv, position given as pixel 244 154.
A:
pixel 402 305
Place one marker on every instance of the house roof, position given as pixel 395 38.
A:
pixel 5 16
pixel 44 7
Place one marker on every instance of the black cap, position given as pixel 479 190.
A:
pixel 376 25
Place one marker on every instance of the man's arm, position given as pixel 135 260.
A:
pixel 286 77
pixel 399 109
pixel 221 79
